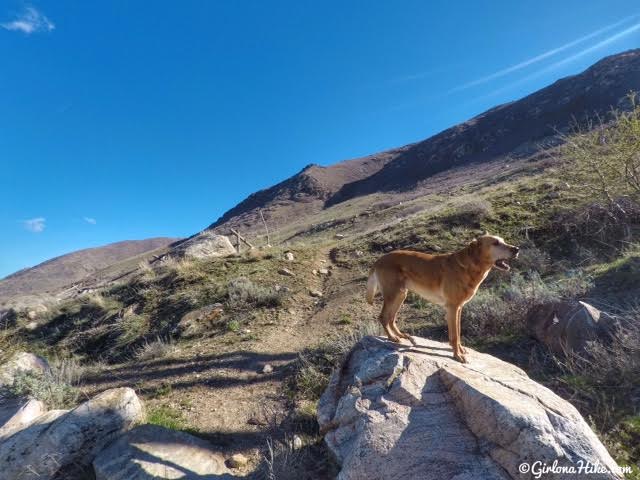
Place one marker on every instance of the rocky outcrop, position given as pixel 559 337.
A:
pixel 200 321
pixel 568 325
pixel 150 451
pixel 60 440
pixel 22 362
pixel 394 412
pixel 207 245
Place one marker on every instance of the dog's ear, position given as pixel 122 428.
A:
pixel 485 233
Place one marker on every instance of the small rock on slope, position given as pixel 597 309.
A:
pixel 569 325
pixel 208 245
pixel 22 362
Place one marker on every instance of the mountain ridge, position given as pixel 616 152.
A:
pixel 74 266
pixel 518 128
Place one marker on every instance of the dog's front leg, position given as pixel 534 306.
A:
pixel 454 332
pixel 459 329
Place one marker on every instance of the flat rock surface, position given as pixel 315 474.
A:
pixel 150 451
pixel 401 412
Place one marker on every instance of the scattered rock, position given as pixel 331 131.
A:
pixel 358 253
pixel 323 271
pixel 207 245
pixel 60 440
pixel 338 236
pixel 297 442
pixel 36 311
pixel 314 272
pixel 17 413
pixel 254 420
pixel 201 320
pixel 569 325
pixel 267 369
pixel 289 256
pixel 390 412
pixel 31 326
pixel 315 293
pixel 286 272
pixel 150 451
pixel 22 362
pixel 237 460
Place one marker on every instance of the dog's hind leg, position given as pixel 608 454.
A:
pixel 394 324
pixel 392 303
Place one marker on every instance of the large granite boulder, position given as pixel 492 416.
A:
pixel 396 412
pixel 22 362
pixel 207 245
pixel 150 451
pixel 60 440
pixel 568 326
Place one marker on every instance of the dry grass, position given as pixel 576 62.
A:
pixel 155 349
pixel 314 367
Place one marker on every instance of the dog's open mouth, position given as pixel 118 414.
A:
pixel 502 265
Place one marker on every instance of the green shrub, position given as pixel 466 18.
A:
pixel 243 293
pixel 53 388
pixel 233 325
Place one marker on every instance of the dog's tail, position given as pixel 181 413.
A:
pixel 372 286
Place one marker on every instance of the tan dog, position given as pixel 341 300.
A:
pixel 450 280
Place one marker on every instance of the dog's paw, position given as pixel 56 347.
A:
pixel 463 350
pixel 394 339
pixel 460 357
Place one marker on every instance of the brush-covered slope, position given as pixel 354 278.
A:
pixel 61 271
pixel 516 129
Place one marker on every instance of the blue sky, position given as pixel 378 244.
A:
pixel 126 119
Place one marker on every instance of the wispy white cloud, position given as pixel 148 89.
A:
pixel 548 54
pixel 35 225
pixel 89 220
pixel 29 21
pixel 554 66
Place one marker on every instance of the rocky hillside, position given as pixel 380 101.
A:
pixel 516 130
pixel 65 270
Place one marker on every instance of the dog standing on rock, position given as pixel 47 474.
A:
pixel 449 280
